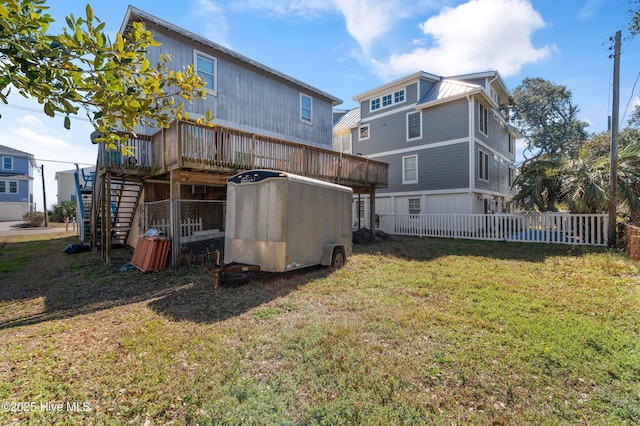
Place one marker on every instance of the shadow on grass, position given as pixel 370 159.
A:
pixel 200 302
pixel 426 249
pixel 39 283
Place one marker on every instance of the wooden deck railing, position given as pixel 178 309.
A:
pixel 189 145
pixel 140 162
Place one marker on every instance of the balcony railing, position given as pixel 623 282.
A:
pixel 187 145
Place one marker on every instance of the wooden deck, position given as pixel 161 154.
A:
pixel 190 146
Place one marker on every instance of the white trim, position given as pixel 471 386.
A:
pixel 368 126
pixel 7 186
pixel 409 182
pixel 213 59
pixel 420 126
pixel 390 112
pixel 393 102
pixel 494 152
pixel 404 81
pixel 472 124
pixel 482 121
pixel 302 119
pixel 455 191
pixel 419 148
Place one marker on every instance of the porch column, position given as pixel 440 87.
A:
pixel 174 216
pixel 372 211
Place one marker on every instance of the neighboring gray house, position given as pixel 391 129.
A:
pixel 447 140
pixel 16 183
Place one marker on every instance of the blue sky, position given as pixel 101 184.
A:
pixel 346 47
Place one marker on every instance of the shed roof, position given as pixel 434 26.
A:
pixel 348 120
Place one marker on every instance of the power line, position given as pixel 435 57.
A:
pixel 64 162
pixel 630 98
pixel 23 108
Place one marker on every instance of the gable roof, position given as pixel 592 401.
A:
pixel 134 14
pixel 348 120
pixel 12 151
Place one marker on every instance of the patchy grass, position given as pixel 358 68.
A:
pixel 410 332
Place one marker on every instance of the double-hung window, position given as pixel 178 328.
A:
pixel 414 125
pixel 410 169
pixel 7 163
pixel 306 108
pixel 414 205
pixel 484 120
pixel 207 68
pixel 13 187
pixel 483 165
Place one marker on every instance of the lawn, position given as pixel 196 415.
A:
pixel 416 331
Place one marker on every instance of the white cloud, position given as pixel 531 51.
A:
pixel 209 20
pixel 476 36
pixel 590 9
pixel 30 120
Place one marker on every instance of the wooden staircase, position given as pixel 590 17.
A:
pixel 113 207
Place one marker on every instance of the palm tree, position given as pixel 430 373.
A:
pixel 538 184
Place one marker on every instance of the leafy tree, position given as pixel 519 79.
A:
pixel 547 117
pixel 538 184
pixel 634 24
pixel 64 209
pixel 81 68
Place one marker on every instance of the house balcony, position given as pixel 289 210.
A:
pixel 186 145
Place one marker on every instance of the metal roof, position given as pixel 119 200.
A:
pixel 448 89
pixel 348 120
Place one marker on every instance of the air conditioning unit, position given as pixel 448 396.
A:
pixel 198 189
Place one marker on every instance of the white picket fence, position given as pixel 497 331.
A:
pixel 187 226
pixel 556 228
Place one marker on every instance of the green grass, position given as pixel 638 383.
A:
pixel 418 331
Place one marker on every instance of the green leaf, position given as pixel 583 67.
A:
pixel 89 13
pixel 48 109
pixel 67 122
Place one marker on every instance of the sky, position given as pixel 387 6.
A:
pixel 346 47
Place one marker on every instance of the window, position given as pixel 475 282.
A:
pixel 7 163
pixel 13 187
pixel 387 100
pixel 483 118
pixel 363 132
pixel 512 176
pixel 206 67
pixel 414 205
pixel 414 126
pixel 483 165
pixel 512 143
pixel 410 169
pixel 398 96
pixel 3 186
pixel 306 108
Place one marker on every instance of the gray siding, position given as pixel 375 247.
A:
pixel 446 121
pixel 410 97
pixel 498 173
pixel 439 168
pixel 250 98
pixel 440 123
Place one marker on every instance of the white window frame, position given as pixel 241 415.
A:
pixel 388 99
pixel 3 187
pixel 405 181
pixel 197 53
pixel 512 176
pixel 3 161
pixel 368 126
pixel 483 120
pixel 512 144
pixel 409 138
pixel 483 165
pixel 413 210
pixel 14 183
pixel 302 109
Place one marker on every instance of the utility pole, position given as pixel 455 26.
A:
pixel 44 196
pixel 613 167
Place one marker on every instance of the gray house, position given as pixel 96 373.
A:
pixel 16 183
pixel 447 140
